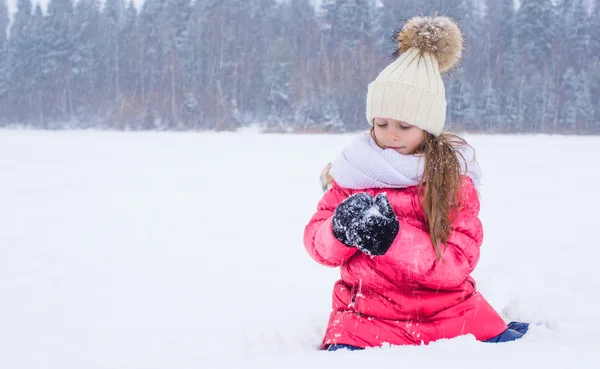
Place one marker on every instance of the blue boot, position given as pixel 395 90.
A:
pixel 514 331
pixel 342 347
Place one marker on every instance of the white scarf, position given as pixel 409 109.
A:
pixel 363 164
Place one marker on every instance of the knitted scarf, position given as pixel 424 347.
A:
pixel 363 164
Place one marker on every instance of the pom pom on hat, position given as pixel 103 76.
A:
pixel 439 36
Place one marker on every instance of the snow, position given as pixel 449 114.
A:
pixel 184 250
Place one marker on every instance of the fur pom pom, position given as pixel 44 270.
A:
pixel 440 36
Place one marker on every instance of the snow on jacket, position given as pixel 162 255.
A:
pixel 406 296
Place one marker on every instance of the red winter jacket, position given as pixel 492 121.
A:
pixel 405 296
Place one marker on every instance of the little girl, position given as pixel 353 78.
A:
pixel 400 216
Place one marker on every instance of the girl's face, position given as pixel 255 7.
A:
pixel 397 135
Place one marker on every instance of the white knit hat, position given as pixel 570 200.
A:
pixel 411 89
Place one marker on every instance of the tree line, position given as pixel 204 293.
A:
pixel 224 64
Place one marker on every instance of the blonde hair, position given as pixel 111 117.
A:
pixel 441 185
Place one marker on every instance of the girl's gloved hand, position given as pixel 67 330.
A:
pixel 367 223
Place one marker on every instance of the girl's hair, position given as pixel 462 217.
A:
pixel 440 184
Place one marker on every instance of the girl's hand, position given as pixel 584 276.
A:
pixel 367 223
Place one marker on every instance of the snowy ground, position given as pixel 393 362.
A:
pixel 184 250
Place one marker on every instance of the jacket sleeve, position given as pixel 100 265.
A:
pixel 412 252
pixel 319 240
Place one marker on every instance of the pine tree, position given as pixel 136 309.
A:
pixel 585 108
pixel 111 27
pixel 536 32
pixel 19 70
pixel 349 21
pixel 573 41
pixel 392 15
pixel 594 65
pixel 151 20
pixel 501 59
pixel 85 58
pixel 205 64
pixel 40 100
pixel 462 106
pixel 511 86
pixel 350 51
pixel 594 24
pixel 576 32
pixel 194 68
pixel 252 93
pixel 321 113
pixel 468 15
pixel 175 36
pixel 499 30
pixel 3 55
pixel 489 112
pixel 238 34
pixel 279 67
pixel 534 100
pixel 568 115
pixel 298 23
pixel 130 107
pixel 60 50
pixel 536 26
pixel 577 112
pixel 3 24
